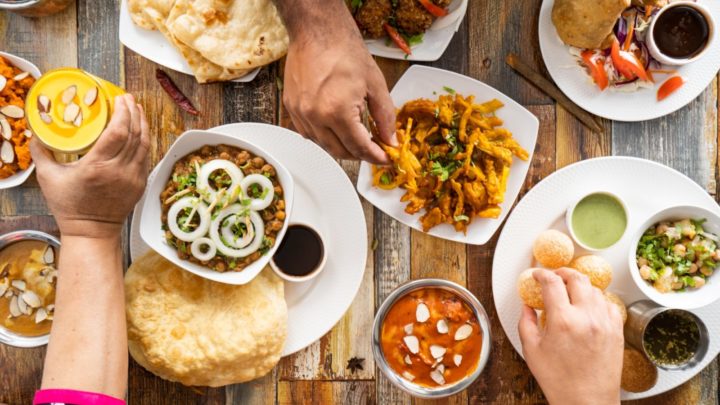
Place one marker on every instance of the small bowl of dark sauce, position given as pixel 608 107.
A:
pixel 681 33
pixel 301 255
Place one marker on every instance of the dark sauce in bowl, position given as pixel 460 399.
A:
pixel 301 251
pixel 681 32
pixel 672 338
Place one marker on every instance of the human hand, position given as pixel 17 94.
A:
pixel 92 196
pixel 577 357
pixel 329 76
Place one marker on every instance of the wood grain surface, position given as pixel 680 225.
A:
pixel 85 35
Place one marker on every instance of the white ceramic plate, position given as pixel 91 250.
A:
pixel 435 40
pixel 426 82
pixel 153 45
pixel 150 216
pixel 641 105
pixel 544 207
pixel 325 199
pixel 19 177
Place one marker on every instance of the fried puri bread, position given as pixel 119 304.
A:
pixel 140 18
pixel 596 268
pixel 530 290
pixel 587 24
pixel 553 249
pixel 191 330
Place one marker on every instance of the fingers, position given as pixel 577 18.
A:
pixel 528 328
pixel 42 156
pixel 127 154
pixel 115 136
pixel 358 141
pixel 382 110
pixel 555 295
pixel 578 285
pixel 141 154
pixel 330 142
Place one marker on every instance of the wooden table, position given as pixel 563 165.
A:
pixel 87 36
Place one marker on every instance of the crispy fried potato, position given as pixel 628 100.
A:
pixel 453 160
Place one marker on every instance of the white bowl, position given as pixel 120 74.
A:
pixel 569 213
pixel 668 60
pixel 692 298
pixel 150 221
pixel 19 177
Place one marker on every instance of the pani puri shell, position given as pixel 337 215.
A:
pixel 596 268
pixel 553 249
pixel 618 302
pixel 529 290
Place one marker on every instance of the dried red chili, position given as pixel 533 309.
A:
pixel 174 92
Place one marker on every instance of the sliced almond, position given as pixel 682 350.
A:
pixel 68 95
pixel 408 360
pixel 442 326
pixel 41 315
pixel 49 255
pixel 46 118
pixel 408 376
pixel 422 313
pixel 437 351
pixel 12 111
pixel 14 308
pixel 90 96
pixel 31 299
pixel 50 308
pixel 408 329
pixel 22 305
pixel 463 332
pixel 441 368
pixel 437 377
pixel 3 82
pixel 21 76
pixel 28 133
pixel 71 112
pixel 7 154
pixel 437 361
pixel 412 343
pixel 44 103
pixel 5 128
pixel 9 293
pixel 457 359
pixel 78 120
pixel 19 284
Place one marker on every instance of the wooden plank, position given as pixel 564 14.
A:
pixel 326 392
pixel 507 379
pixel 97 40
pixel 257 392
pixel 574 142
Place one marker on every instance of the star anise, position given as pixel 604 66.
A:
pixel 355 364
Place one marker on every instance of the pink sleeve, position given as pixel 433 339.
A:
pixel 59 396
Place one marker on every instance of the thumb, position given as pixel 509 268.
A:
pixel 42 156
pixel 382 111
pixel 528 328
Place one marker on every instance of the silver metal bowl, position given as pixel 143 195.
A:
pixel 8 337
pixel 35 8
pixel 398 380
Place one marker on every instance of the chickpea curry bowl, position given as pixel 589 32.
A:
pixel 217 209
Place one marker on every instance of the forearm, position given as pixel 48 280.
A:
pixel 316 19
pixel 88 341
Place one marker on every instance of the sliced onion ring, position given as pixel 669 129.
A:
pixel 202 212
pixel 229 237
pixel 195 249
pixel 258 204
pixel 257 223
pixel 203 178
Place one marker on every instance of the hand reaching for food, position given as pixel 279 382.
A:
pixel 577 354
pixel 330 80
pixel 93 196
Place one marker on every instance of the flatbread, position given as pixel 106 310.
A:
pixel 233 34
pixel 203 70
pixel 137 11
pixel 587 24
pixel 191 330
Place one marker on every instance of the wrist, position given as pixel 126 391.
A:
pixel 90 229
pixel 316 20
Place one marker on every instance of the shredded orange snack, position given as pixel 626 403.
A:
pixel 453 160
pixel 14 94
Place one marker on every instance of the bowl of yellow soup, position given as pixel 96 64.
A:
pixel 597 221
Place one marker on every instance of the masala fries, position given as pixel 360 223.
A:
pixel 453 160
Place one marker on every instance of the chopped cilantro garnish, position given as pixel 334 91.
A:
pixel 459 218
pixel 449 89
pixel 385 179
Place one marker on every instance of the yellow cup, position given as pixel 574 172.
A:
pixel 51 107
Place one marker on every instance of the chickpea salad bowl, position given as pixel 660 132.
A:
pixel 674 257
pixel 217 206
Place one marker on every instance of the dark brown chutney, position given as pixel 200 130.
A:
pixel 681 32
pixel 184 176
pixel 671 338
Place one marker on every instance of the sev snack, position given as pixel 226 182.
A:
pixel 453 160
pixel 15 140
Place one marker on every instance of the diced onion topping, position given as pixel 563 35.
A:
pixel 201 210
pixel 196 249
pixel 203 178
pixel 230 213
pixel 267 191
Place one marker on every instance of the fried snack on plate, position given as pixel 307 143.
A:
pixel 619 303
pixel 553 249
pixel 638 373
pixel 14 132
pixel 596 268
pixel 137 9
pixel 530 290
pixel 185 328
pixel 587 24
pixel 453 160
